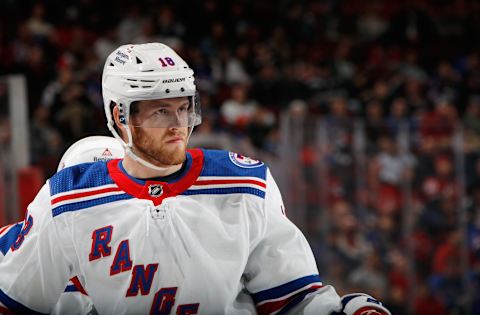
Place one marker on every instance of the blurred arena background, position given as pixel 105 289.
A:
pixel 368 113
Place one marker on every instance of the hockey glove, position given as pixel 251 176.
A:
pixel 362 304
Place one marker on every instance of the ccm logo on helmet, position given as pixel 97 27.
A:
pixel 173 80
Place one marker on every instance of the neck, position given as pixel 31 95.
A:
pixel 138 170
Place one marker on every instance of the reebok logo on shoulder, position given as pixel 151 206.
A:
pixel 107 152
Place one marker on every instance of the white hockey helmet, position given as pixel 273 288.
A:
pixel 148 72
pixel 91 149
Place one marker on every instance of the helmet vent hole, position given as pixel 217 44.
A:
pixel 150 70
pixel 134 86
pixel 167 91
pixel 111 64
pixel 138 61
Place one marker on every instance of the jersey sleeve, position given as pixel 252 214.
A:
pixel 8 235
pixel 281 273
pixel 35 270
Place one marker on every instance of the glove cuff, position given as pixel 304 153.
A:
pixel 360 303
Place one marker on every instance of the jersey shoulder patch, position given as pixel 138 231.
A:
pixel 229 173
pixel 244 161
pixel 83 186
pixel 224 163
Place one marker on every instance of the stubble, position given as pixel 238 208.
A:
pixel 155 151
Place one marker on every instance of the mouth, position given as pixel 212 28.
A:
pixel 175 140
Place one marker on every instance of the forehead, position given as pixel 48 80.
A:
pixel 166 102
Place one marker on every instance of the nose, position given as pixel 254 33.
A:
pixel 177 121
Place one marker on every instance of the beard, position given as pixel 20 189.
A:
pixel 154 151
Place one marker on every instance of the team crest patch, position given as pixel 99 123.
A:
pixel 244 161
pixel 155 190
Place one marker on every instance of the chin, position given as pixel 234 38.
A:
pixel 173 157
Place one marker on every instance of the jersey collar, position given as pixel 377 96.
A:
pixel 140 188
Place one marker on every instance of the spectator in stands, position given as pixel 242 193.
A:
pixel 427 303
pixel 399 119
pixel 471 118
pixel 239 109
pixel 446 280
pixel 375 125
pixel 350 244
pixel 440 122
pixel 370 276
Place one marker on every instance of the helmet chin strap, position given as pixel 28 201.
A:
pixel 128 147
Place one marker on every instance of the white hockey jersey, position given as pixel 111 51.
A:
pixel 214 240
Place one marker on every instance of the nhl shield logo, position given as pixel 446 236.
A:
pixel 155 190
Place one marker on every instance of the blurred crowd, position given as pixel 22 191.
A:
pixel 405 69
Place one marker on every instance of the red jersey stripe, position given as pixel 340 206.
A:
pixel 5 228
pixel 79 286
pixel 84 194
pixel 229 181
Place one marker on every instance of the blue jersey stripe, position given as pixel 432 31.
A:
pixel 10 237
pixel 224 191
pixel 15 306
pixel 284 289
pixel 88 203
pixel 299 298
pixel 71 288
pixel 86 175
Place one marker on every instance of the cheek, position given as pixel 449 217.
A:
pixel 145 135
pixel 154 133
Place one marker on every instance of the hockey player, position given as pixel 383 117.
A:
pixel 74 300
pixel 166 230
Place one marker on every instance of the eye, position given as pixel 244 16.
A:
pixel 161 111
pixel 183 109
